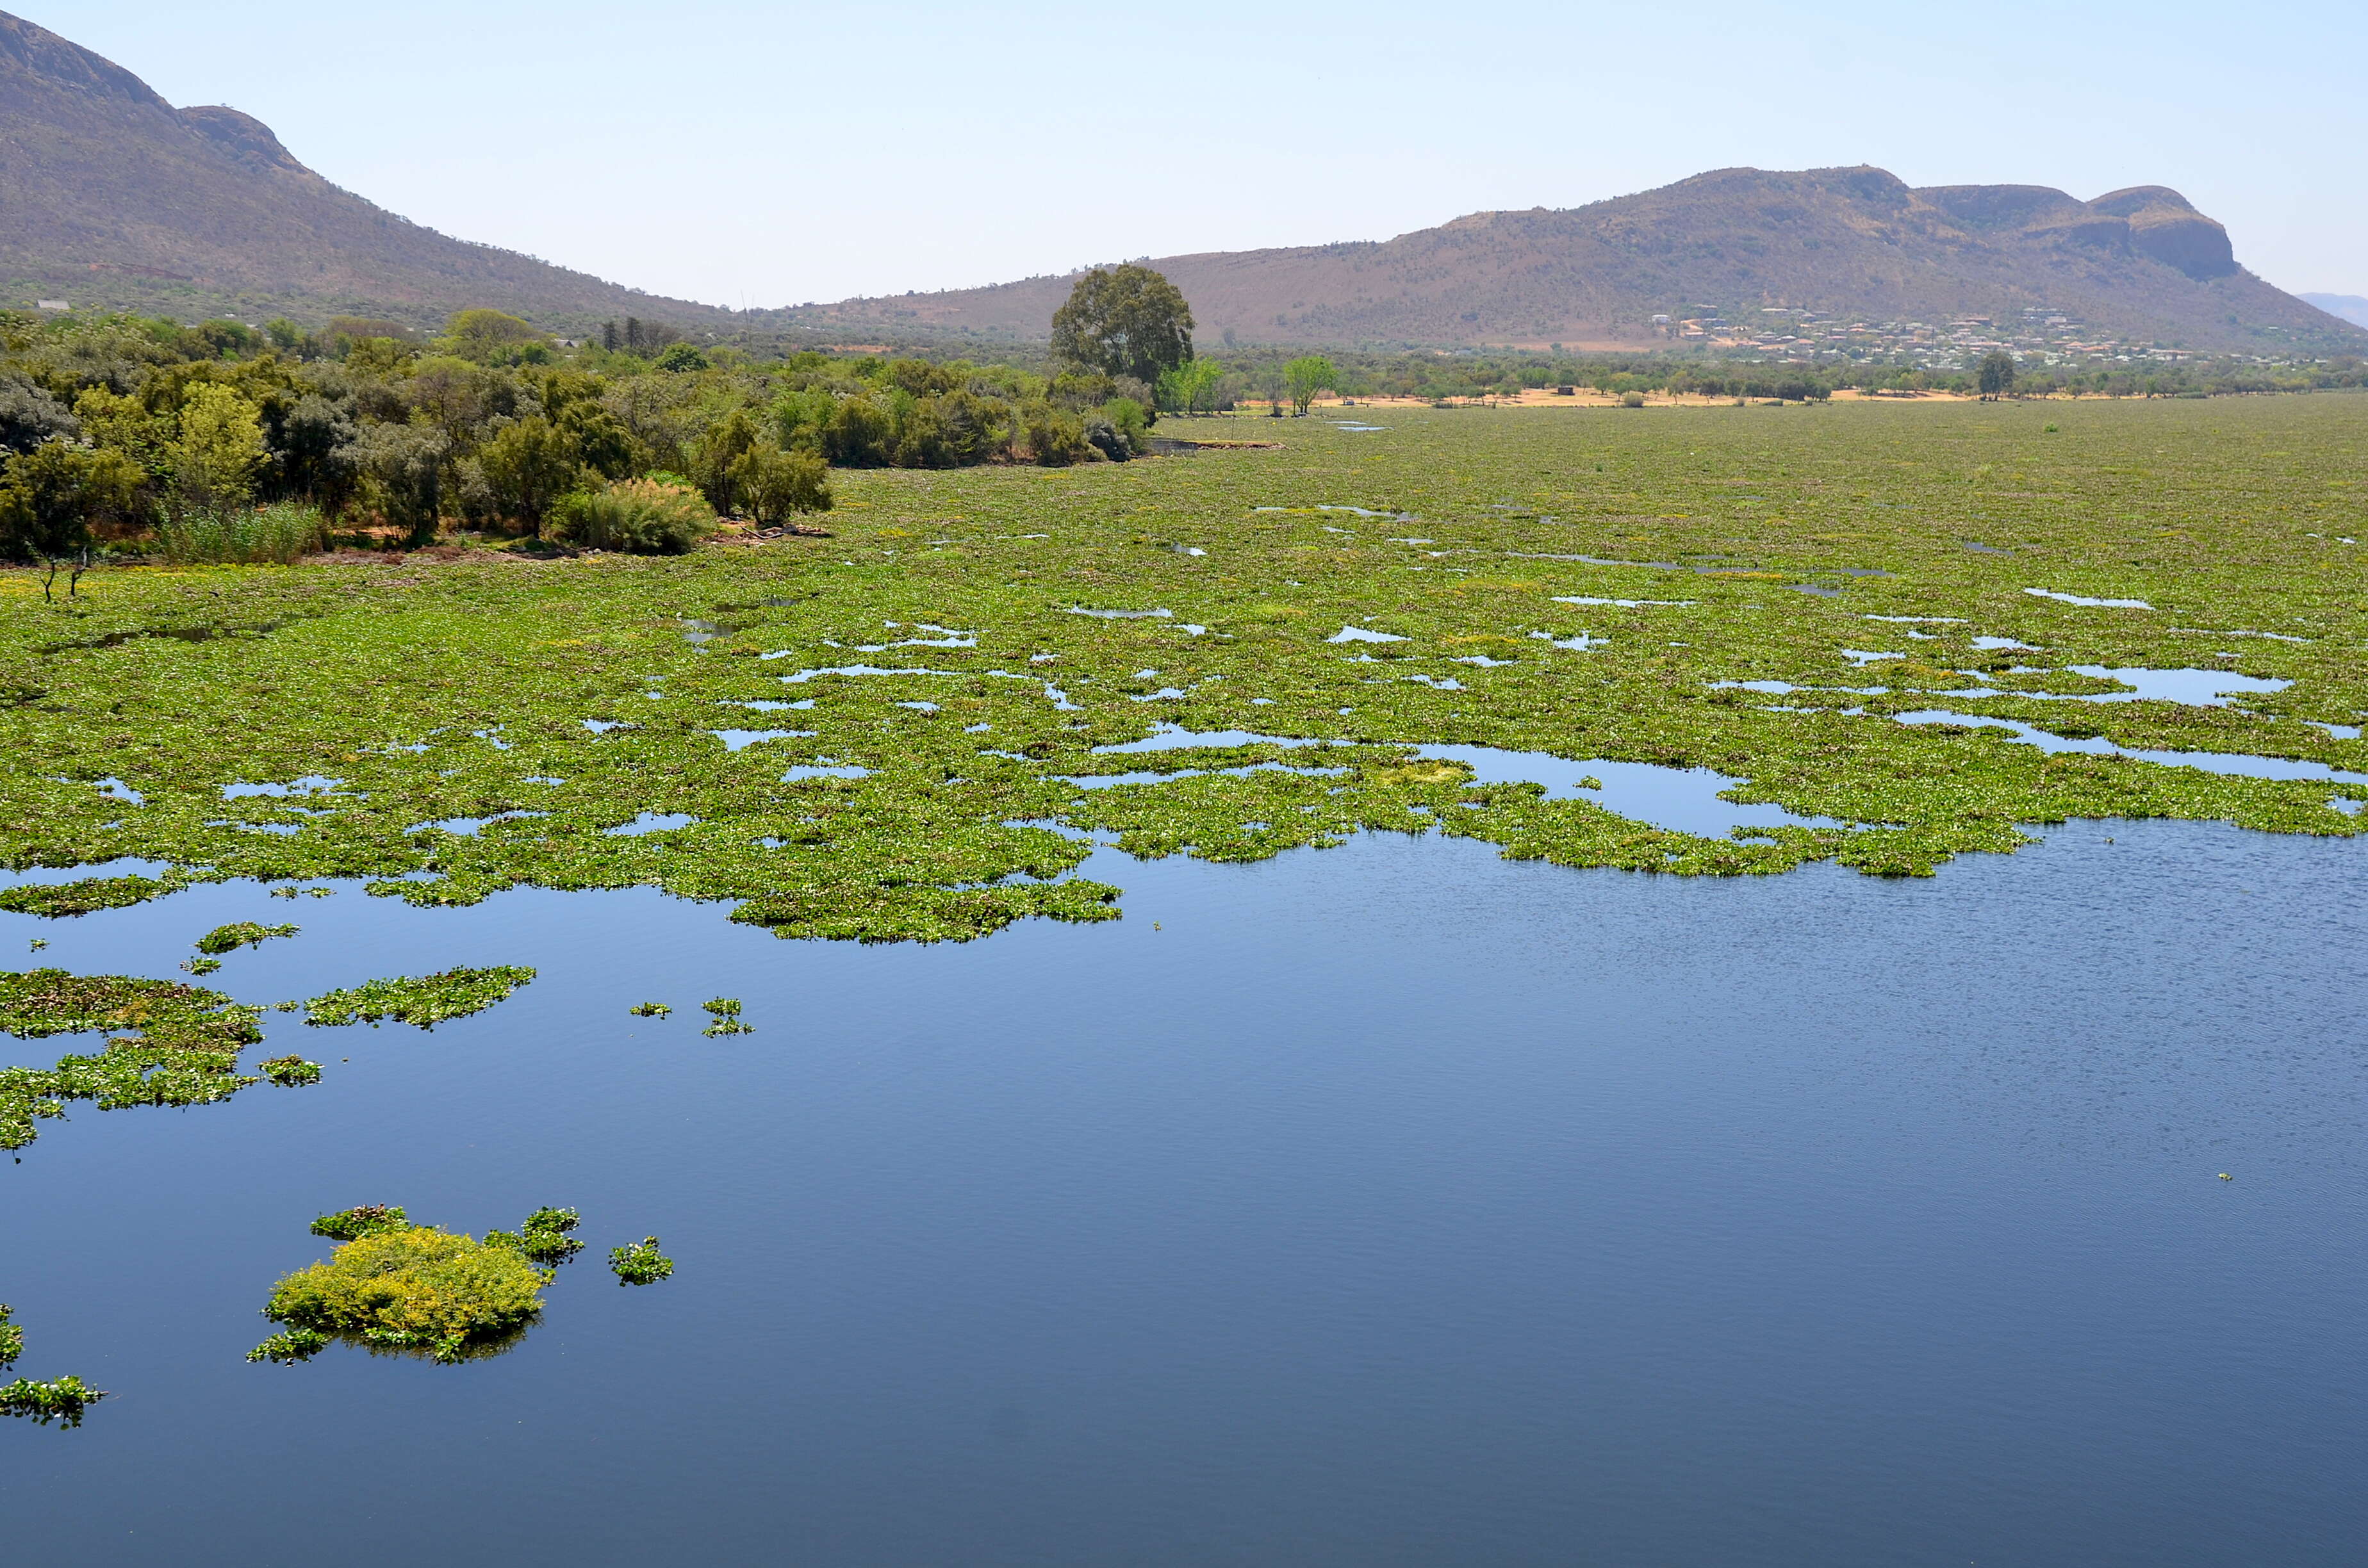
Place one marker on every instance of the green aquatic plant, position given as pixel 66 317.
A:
pixel 200 966
pixel 61 1399
pixel 723 1017
pixel 1683 588
pixel 172 1045
pixel 290 1347
pixel 418 1288
pixel 369 1220
pixel 64 900
pixel 650 1010
pixel 541 1237
pixel 242 934
pixel 424 1001
pixel 640 1263
pixel 290 1072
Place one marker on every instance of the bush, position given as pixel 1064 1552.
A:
pixel 274 535
pixel 1131 420
pixel 1055 438
pixel 639 517
pixel 773 484
pixel 1631 400
pixel 418 1288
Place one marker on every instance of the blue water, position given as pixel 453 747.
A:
pixel 1392 1204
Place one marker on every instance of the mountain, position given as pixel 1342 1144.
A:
pixel 115 197
pixel 2351 307
pixel 2137 265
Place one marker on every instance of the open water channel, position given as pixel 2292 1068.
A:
pixel 1386 1204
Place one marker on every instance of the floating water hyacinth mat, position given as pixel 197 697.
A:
pixel 882 732
pixel 168 1044
pixel 426 1001
pixel 394 1286
pixel 413 1288
pixel 61 1400
pixel 244 933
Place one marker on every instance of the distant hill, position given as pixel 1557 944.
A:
pixel 2140 264
pixel 2351 307
pixel 116 198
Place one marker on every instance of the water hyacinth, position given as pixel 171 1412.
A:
pixel 412 1287
pixel 931 793
pixel 640 1263
pixel 426 1001
pixel 244 934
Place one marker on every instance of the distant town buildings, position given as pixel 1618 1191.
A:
pixel 2041 336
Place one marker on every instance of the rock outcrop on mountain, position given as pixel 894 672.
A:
pixel 2140 265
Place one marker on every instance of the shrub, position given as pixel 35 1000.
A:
pixel 1131 420
pixel 529 466
pixel 418 1288
pixel 219 447
pixel 773 484
pixel 639 517
pixel 1631 400
pixel 1103 437
pixel 274 535
pixel 1057 439
pixel 50 496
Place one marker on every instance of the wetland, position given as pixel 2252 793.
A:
pixel 1745 1076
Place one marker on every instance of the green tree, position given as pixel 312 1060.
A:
pixel 719 450
pixel 1270 387
pixel 401 472
pixel 488 337
pixel 1308 375
pixel 1126 321
pixel 1996 372
pixel 773 484
pixel 214 458
pixel 1190 384
pixel 528 465
pixel 51 495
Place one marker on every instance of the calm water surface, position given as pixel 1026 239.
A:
pixel 1390 1204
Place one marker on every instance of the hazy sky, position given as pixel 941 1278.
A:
pixel 766 154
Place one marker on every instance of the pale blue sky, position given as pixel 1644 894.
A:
pixel 766 154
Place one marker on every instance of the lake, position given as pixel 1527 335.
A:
pixel 1385 1204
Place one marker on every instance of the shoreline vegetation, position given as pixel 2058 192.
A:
pixel 1914 625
